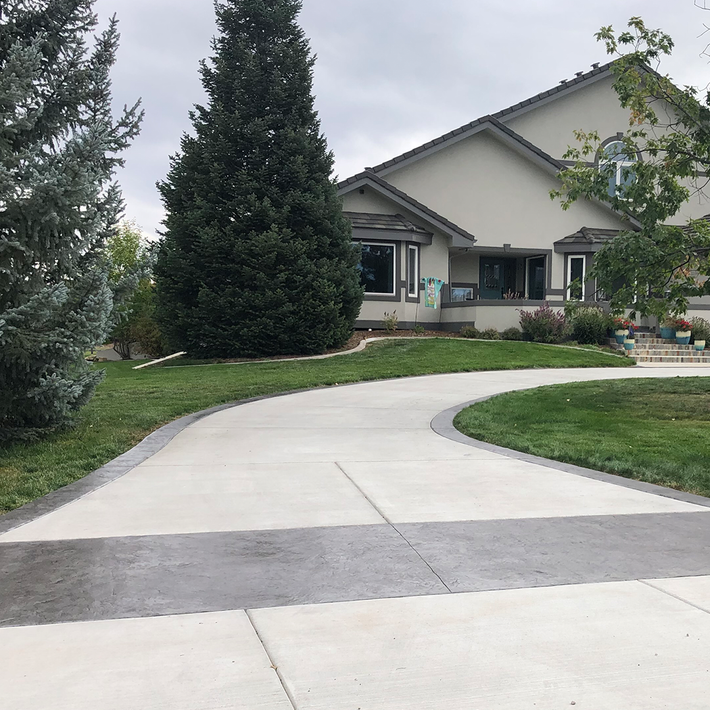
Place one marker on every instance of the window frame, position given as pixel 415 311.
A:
pixel 417 275
pixel 394 293
pixel 620 165
pixel 583 257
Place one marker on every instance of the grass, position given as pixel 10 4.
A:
pixel 650 430
pixel 130 404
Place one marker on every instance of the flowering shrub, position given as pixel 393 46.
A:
pixel 543 325
pixel 683 326
pixel 622 324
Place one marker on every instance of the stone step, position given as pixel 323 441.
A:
pixel 640 352
pixel 689 359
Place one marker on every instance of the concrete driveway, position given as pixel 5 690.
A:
pixel 328 550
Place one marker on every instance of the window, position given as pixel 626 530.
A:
pixel 623 174
pixel 460 294
pixel 412 271
pixel 377 268
pixel 576 272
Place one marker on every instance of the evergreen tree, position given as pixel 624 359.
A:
pixel 257 256
pixel 58 151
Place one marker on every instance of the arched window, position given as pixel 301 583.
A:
pixel 624 173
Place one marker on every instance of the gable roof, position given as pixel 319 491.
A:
pixel 564 87
pixel 368 179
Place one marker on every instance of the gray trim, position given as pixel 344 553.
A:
pixel 420 285
pixel 443 424
pixel 555 292
pixel 459 236
pixel 486 123
pixel 516 302
pixel 397 296
pixel 366 235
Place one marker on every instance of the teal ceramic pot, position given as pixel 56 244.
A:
pixel 620 336
pixel 667 333
pixel 682 337
pixel 699 345
pixel 629 344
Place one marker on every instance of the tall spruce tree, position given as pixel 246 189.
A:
pixel 257 256
pixel 59 147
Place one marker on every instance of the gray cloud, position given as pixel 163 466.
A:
pixel 391 74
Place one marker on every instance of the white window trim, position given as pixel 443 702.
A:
pixel 620 165
pixel 569 273
pixel 412 248
pixel 394 267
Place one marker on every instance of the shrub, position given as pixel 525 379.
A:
pixel 701 329
pixel 543 325
pixel 511 334
pixel 490 334
pixel 589 324
pixel 390 322
pixel 419 330
pixel 468 331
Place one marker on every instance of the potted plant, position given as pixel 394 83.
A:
pixel 701 333
pixel 683 331
pixel 668 328
pixel 621 329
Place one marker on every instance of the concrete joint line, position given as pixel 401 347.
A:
pixel 364 495
pixel 675 596
pixel 291 699
pixel 443 425
pixel 394 527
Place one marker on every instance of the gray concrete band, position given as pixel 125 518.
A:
pixel 114 578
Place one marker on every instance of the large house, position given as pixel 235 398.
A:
pixel 472 208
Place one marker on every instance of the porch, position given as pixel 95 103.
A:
pixel 499 275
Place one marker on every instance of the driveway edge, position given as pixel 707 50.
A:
pixel 443 424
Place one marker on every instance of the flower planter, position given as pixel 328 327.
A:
pixel 667 333
pixel 699 345
pixel 682 337
pixel 629 344
pixel 620 336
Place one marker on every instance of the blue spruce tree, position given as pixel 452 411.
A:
pixel 59 148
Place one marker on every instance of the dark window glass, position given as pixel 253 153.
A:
pixel 377 268
pixel 576 277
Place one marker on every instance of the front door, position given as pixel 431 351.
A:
pixel 536 278
pixel 497 277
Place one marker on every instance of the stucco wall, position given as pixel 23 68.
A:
pixel 369 201
pixel 551 125
pixel 496 194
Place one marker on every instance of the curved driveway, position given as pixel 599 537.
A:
pixel 328 550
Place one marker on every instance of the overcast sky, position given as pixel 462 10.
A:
pixel 391 74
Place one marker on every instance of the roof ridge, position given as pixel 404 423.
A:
pixel 599 69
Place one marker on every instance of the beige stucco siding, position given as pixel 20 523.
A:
pixel 369 201
pixel 434 262
pixel 497 195
pixel 551 125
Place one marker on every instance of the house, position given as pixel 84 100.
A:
pixel 472 208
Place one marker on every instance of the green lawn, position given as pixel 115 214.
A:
pixel 651 430
pixel 130 404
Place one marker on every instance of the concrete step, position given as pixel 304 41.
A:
pixel 686 359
